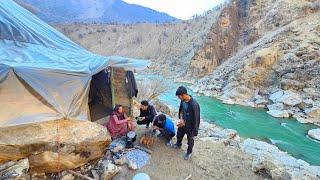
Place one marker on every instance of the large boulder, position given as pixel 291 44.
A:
pixel 277 106
pixel 279 113
pixel 79 142
pixel 313 112
pixel 286 97
pixel 236 94
pixel 314 133
pixel 278 164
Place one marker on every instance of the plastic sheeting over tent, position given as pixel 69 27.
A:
pixel 44 75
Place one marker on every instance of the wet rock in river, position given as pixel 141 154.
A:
pixel 314 133
pixel 279 113
pixel 286 97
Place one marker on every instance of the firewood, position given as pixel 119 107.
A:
pixel 95 174
pixel 187 178
pixel 80 175
pixel 142 139
pixel 143 149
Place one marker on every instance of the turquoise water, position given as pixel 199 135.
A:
pixel 287 134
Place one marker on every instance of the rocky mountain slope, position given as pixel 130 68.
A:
pixel 169 46
pixel 273 60
pixel 99 11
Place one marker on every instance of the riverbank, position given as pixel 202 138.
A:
pixel 265 159
pixel 287 134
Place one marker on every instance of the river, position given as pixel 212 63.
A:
pixel 287 134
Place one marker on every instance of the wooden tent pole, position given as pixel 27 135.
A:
pixel 112 88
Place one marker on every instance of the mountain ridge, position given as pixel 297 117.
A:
pixel 95 11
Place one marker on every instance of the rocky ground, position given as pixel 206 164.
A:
pixel 211 160
pixel 267 160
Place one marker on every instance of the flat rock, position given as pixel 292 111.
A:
pixel 260 100
pixel 277 106
pixel 286 97
pixel 313 112
pixel 314 133
pixel 276 95
pixel 291 98
pixel 236 95
pixel 80 142
pixel 279 113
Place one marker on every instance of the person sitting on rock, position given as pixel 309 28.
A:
pixel 147 113
pixel 165 126
pixel 119 123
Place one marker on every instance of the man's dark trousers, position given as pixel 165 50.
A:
pixel 145 121
pixel 167 135
pixel 190 136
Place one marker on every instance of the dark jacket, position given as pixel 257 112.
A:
pixel 149 114
pixel 131 84
pixel 194 111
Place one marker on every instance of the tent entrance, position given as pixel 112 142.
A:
pixel 100 96
pixel 107 89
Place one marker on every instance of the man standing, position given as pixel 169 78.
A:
pixel 147 113
pixel 189 115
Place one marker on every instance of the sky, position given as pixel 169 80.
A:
pixel 182 9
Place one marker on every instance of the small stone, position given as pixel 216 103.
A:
pixel 68 177
pixel 106 169
pixel 120 161
pixel 132 165
pixel 280 174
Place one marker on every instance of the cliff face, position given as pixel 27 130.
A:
pixel 241 23
pixel 269 56
pixel 223 39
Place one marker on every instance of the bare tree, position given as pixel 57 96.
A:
pixel 151 88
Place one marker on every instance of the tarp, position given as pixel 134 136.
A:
pixel 43 74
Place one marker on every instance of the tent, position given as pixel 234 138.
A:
pixel 43 74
